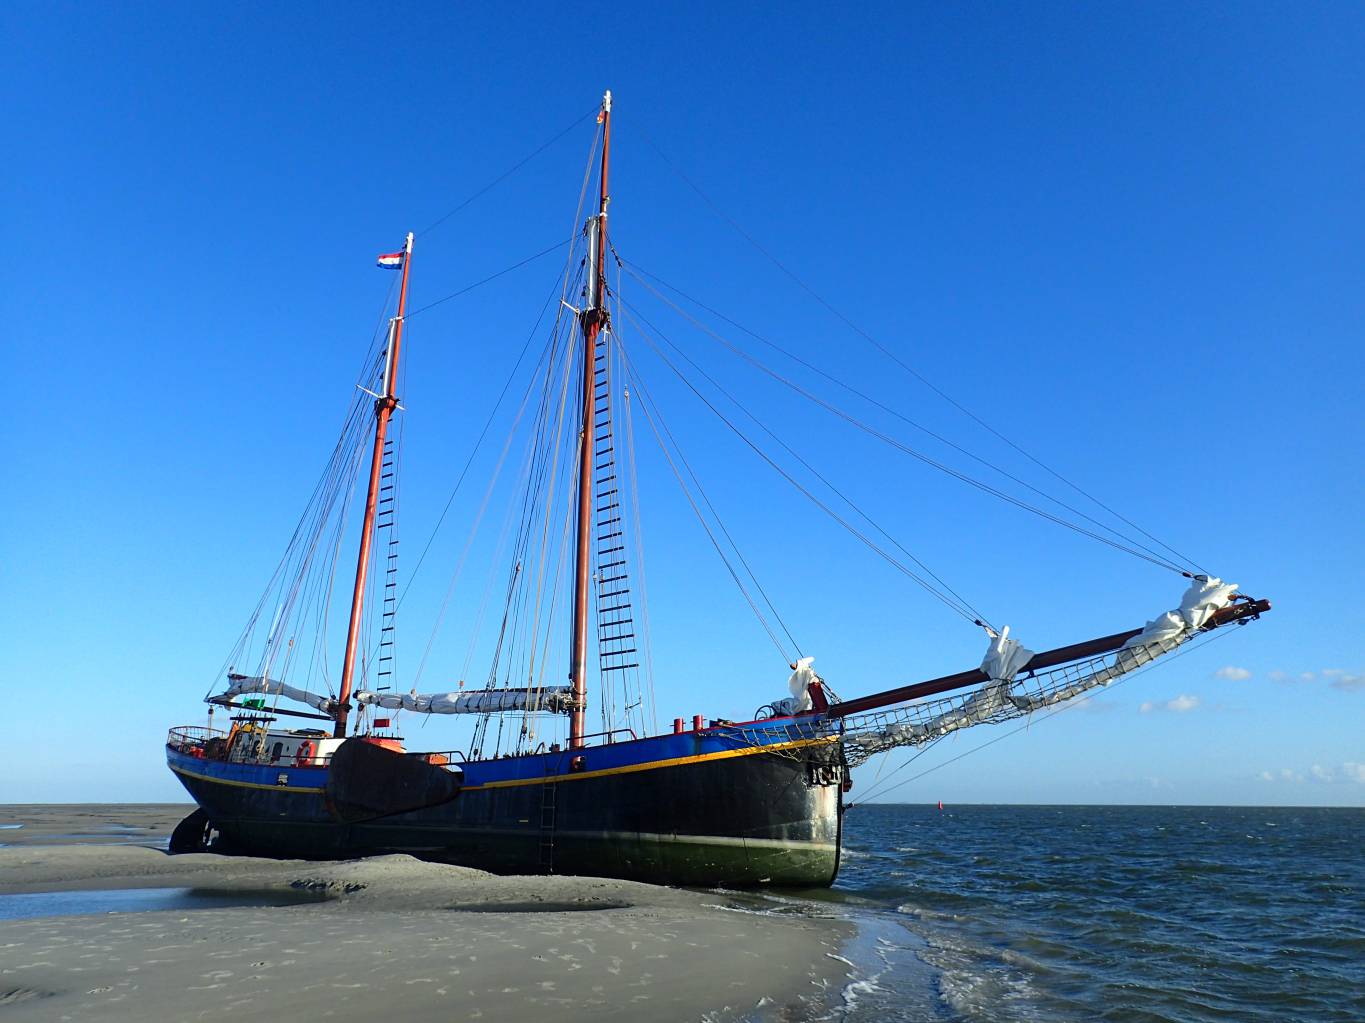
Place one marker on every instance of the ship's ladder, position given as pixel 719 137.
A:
pixel 385 519
pixel 549 792
pixel 616 640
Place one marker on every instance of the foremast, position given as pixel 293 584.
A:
pixel 384 404
pixel 593 320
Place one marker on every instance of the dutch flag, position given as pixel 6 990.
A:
pixel 391 260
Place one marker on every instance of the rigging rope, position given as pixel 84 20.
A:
pixel 479 442
pixel 505 174
pixel 897 360
pixel 290 578
pixel 568 265
pixel 491 277
pixel 933 462
pixel 636 272
pixel 885 786
pixel 639 538
pixel 646 400
pixel 959 606
pixel 963 607
pixel 539 464
pixel 478 518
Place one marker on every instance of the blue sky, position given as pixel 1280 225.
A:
pixel 1126 236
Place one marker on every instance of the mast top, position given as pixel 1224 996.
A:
pixel 606 102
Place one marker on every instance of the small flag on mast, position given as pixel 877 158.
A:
pixel 391 260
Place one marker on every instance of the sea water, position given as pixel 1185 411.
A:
pixel 30 906
pixel 1116 913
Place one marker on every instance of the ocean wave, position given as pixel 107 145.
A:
pixel 1082 913
pixel 977 984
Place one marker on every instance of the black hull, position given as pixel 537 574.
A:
pixel 760 818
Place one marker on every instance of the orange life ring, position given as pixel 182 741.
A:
pixel 304 753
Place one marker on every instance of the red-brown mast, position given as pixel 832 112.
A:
pixel 383 411
pixel 593 319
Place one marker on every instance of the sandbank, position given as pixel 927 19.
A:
pixel 391 938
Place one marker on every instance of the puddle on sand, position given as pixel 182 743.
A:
pixel 116 835
pixel 144 900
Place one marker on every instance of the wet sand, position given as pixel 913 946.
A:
pixel 90 823
pixel 391 937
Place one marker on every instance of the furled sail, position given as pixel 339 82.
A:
pixel 884 721
pixel 1001 697
pixel 1205 596
pixel 799 687
pixel 242 685
pixel 554 699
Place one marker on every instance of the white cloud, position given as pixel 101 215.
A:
pixel 1335 677
pixel 1232 674
pixel 1179 705
pixel 1351 771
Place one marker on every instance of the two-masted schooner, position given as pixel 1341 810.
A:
pixel 707 802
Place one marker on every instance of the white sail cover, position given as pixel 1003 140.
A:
pixel 484 701
pixel 799 687
pixel 1004 658
pixel 1205 596
pixel 997 700
pixel 242 685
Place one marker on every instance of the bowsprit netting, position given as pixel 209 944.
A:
pixel 873 732
pixel 866 734
pixel 890 720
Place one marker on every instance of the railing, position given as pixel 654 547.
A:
pixel 610 735
pixel 193 740
pixel 197 741
pixel 439 757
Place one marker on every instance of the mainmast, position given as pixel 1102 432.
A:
pixel 384 405
pixel 593 319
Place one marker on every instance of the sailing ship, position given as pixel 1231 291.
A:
pixel 708 802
